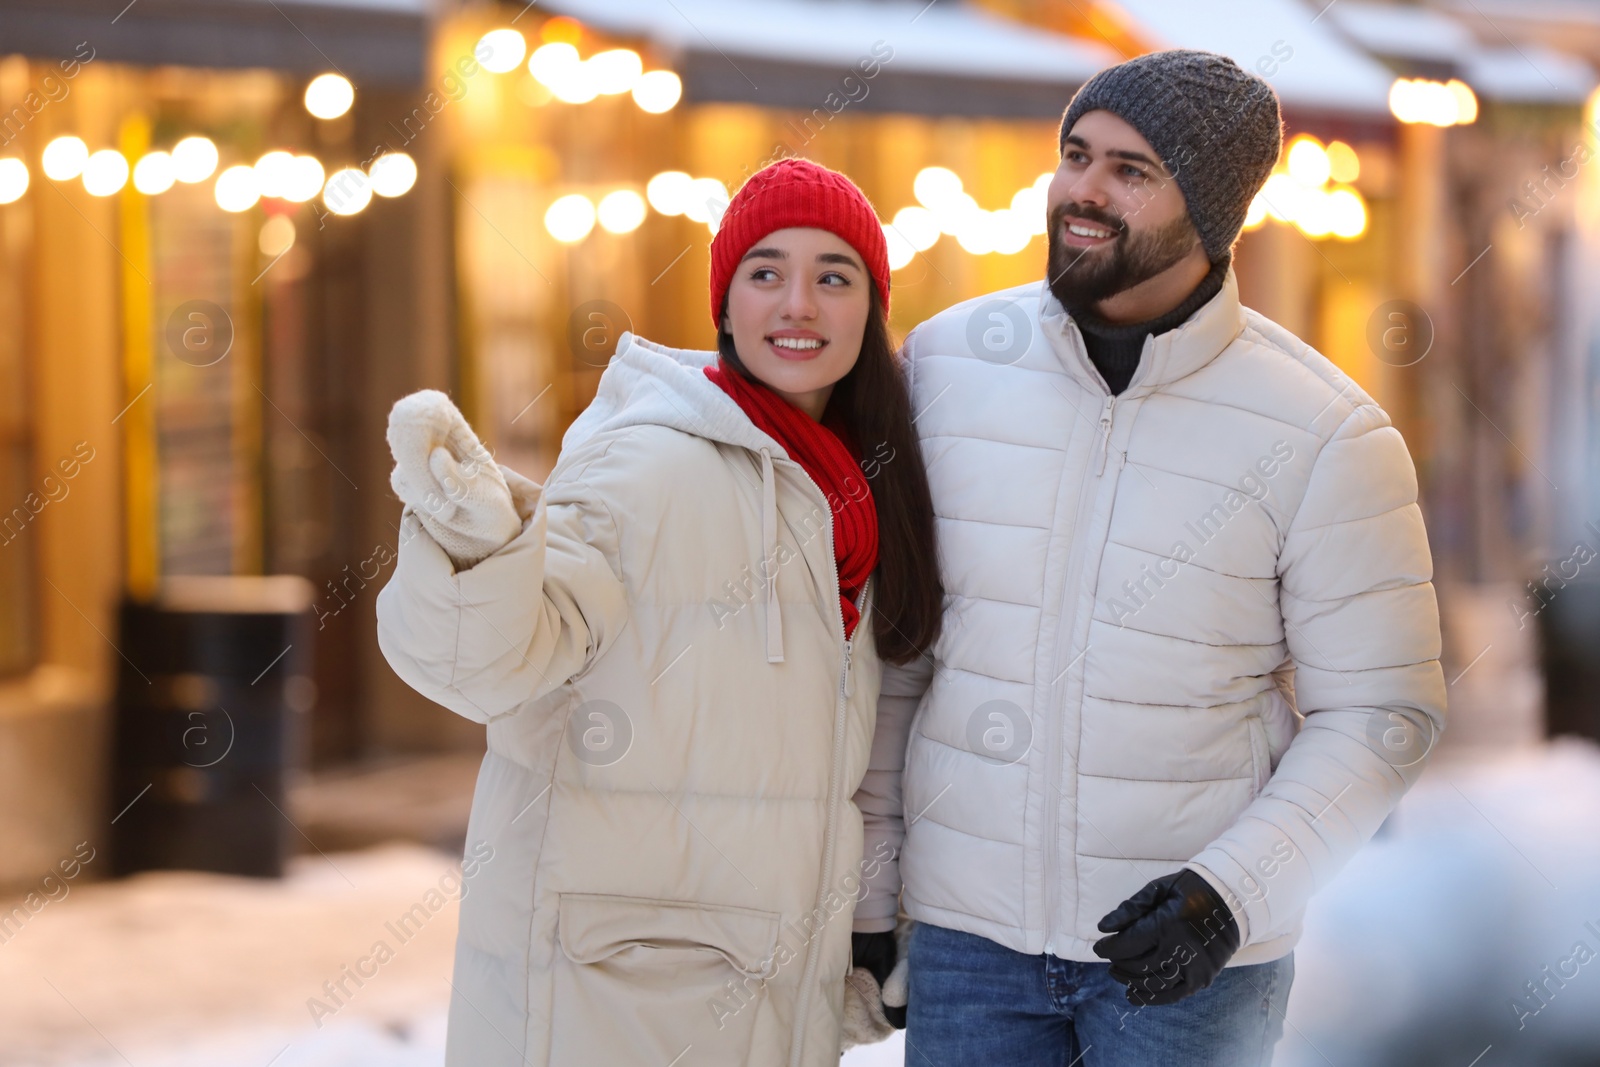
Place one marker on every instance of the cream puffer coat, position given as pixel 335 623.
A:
pixel 1191 625
pixel 672 752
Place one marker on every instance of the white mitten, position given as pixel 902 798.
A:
pixel 449 479
pixel 897 987
pixel 864 1023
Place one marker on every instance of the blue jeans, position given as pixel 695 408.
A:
pixel 973 1001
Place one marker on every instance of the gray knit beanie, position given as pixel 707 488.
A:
pixel 1216 127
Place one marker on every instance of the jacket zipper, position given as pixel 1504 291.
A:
pixel 1105 433
pixel 808 977
pixel 1052 867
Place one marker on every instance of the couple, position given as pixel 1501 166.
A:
pixel 1100 615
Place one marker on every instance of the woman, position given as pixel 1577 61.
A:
pixel 675 643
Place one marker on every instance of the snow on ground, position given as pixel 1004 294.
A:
pixel 1416 955
pixel 1488 872
pixel 183 969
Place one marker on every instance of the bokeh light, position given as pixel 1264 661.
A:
pixel 194 159
pixel 658 91
pixel 347 192
pixel 668 191
pixel 236 190
pixel 105 172
pixel 570 218
pixel 393 174
pixel 621 212
pixel 329 96
pixel 64 158
pixel 154 174
pixel 276 236
pixel 501 50
pixel 13 180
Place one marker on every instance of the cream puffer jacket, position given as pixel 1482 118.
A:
pixel 672 752
pixel 1191 625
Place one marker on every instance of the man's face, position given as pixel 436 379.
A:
pixel 1117 216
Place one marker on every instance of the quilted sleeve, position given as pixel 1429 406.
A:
pixel 1362 628
pixel 513 627
pixel 879 797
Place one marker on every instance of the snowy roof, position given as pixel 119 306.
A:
pixel 948 38
pixel 1493 11
pixel 1529 74
pixel 1404 31
pixel 1322 71
pixel 1523 73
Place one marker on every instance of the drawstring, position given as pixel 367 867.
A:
pixel 769 559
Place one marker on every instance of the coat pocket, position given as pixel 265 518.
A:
pixel 1260 752
pixel 641 980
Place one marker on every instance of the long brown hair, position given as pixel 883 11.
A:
pixel 874 405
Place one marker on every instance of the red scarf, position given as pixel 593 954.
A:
pixel 833 464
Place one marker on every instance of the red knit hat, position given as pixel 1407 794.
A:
pixel 797 192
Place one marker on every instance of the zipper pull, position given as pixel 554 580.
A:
pixel 1105 432
pixel 849 682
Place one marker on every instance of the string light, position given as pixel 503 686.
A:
pixel 615 71
pixel 668 191
pixel 105 172
pixel 13 180
pixel 330 95
pixel 1308 162
pixel 621 211
pixel 500 51
pixel 273 171
pixel 1419 100
pixel 1344 166
pixel 194 159
pixel 347 192
pixel 658 91
pixel 917 226
pixel 154 174
pixel 570 218
pixel 392 174
pixel 302 179
pixel 705 202
pixel 63 158
pixel 1310 190
pixel 278 174
pixel 945 208
pixel 572 79
pixel 236 190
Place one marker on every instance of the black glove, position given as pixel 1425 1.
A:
pixel 1170 939
pixel 878 954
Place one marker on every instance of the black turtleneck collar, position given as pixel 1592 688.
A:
pixel 1115 348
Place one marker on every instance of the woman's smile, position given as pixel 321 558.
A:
pixel 796 344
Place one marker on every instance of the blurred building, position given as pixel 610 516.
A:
pixel 232 234
pixel 188 359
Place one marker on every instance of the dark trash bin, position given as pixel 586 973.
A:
pixel 1569 640
pixel 214 683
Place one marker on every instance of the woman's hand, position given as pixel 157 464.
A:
pixel 897 986
pixel 443 472
pixel 866 1020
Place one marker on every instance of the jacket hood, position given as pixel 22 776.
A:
pixel 647 384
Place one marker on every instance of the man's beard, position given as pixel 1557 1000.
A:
pixel 1082 277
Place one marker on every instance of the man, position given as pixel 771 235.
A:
pixel 1190 649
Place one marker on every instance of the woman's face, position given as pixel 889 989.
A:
pixel 797 310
